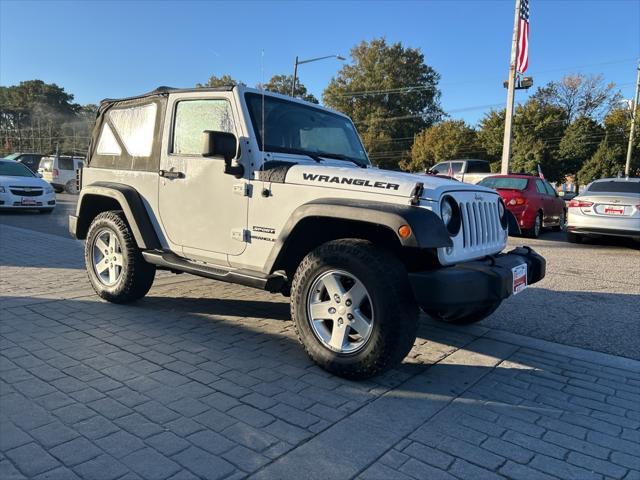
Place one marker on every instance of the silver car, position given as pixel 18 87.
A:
pixel 610 206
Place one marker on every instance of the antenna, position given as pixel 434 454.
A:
pixel 264 132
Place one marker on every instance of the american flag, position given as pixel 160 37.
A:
pixel 523 37
pixel 540 174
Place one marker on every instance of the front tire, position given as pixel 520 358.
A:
pixel 352 307
pixel 117 271
pixel 463 317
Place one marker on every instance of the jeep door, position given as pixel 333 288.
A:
pixel 203 210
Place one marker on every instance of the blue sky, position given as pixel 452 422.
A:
pixel 97 49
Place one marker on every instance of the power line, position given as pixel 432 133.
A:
pixel 417 88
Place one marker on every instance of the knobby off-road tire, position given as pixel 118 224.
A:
pixel 117 271
pixel 463 317
pixel 71 187
pixel 361 270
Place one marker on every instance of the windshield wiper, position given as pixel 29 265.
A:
pixel 340 156
pixel 295 151
pixel 317 156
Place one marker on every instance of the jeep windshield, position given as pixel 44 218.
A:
pixel 291 127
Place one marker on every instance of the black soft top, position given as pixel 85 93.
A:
pixel 166 91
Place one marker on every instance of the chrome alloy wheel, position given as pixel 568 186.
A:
pixel 107 257
pixel 340 311
pixel 537 227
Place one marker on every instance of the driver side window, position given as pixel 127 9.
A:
pixel 192 117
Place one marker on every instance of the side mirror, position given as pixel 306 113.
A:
pixel 224 145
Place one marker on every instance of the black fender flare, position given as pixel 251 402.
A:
pixel 131 203
pixel 427 229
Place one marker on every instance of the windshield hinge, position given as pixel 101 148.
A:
pixel 416 193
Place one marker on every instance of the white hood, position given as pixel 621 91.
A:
pixel 10 181
pixel 337 174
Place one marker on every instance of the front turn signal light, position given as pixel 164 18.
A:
pixel 404 231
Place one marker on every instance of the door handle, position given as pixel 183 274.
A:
pixel 170 174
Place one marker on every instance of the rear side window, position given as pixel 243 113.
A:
pixel 46 164
pixel 505 183
pixel 540 187
pixel 615 186
pixel 550 190
pixel 108 145
pixel 127 135
pixel 478 167
pixel 192 117
pixel 135 127
pixel 65 163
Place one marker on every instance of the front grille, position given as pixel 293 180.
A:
pixel 481 232
pixel 480 224
pixel 23 192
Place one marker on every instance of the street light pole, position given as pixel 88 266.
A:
pixel 295 76
pixel 508 120
pixel 634 111
pixel 300 62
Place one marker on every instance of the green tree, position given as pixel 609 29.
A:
pixel 580 96
pixel 390 93
pixel 282 84
pixel 443 141
pixel 608 161
pixel 31 115
pixel 579 143
pixel 223 81
pixel 537 131
pixel 610 157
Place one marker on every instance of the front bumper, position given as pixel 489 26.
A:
pixel 9 201
pixel 476 284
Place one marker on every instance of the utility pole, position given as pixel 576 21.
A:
pixel 508 119
pixel 634 112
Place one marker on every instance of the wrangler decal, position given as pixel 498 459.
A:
pixel 350 181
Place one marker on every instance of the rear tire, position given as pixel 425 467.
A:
pixel 574 237
pixel 70 187
pixel 460 317
pixel 356 350
pixel 117 271
pixel 535 231
pixel 58 189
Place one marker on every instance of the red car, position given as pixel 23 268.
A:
pixel 533 202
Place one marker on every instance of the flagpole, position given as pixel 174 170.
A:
pixel 508 120
pixel 634 118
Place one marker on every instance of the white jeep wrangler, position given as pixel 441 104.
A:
pixel 271 192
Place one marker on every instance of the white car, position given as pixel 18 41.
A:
pixel 21 189
pixel 61 171
pixel 610 207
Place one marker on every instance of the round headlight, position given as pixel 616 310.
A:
pixel 450 214
pixel 502 211
pixel 446 212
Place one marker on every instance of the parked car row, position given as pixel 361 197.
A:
pixel 22 189
pixel 607 207
pixel 28 180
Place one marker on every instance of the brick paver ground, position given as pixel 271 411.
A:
pixel 206 380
